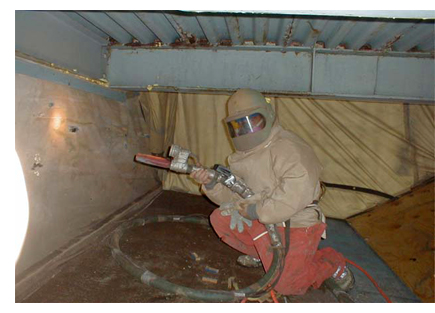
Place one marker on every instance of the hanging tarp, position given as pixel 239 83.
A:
pixel 383 146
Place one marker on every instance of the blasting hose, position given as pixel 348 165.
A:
pixel 266 283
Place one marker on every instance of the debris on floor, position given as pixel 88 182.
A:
pixel 211 270
pixel 209 280
pixel 195 256
pixel 166 249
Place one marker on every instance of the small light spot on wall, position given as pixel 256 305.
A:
pixel 57 121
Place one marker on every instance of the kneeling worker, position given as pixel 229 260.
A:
pixel 283 171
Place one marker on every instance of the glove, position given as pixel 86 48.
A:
pixel 230 209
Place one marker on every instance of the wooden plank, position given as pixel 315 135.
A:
pixel 402 233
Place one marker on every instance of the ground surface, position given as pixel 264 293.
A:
pixel 164 249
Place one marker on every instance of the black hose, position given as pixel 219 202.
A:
pixel 267 281
pixel 283 259
pixel 287 237
pixel 360 189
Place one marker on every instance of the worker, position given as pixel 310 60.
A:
pixel 283 172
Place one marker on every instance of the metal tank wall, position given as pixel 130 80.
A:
pixel 76 149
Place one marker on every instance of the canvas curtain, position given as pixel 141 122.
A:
pixel 383 146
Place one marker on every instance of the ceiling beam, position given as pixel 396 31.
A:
pixel 341 75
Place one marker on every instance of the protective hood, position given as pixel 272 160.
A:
pixel 250 119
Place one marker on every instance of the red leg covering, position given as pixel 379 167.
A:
pixel 305 266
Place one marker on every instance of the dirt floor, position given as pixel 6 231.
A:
pixel 164 249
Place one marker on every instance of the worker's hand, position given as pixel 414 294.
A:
pixel 240 207
pixel 201 176
pixel 232 210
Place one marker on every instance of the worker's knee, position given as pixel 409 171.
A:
pixel 220 223
pixel 216 219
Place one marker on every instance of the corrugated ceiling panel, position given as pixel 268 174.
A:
pixel 109 26
pixel 215 30
pixel 415 36
pixel 340 33
pixel 132 24
pixel 428 44
pixel 317 26
pixel 301 31
pixel 236 35
pixel 245 28
pixel 389 34
pixel 261 29
pixel 277 28
pixel 187 27
pixel 361 34
pixel 176 28
pixel 328 31
pixel 72 19
pixel 85 23
pixel 160 26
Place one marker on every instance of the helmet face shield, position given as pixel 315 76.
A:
pixel 250 119
pixel 244 125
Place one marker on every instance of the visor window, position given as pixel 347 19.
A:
pixel 246 125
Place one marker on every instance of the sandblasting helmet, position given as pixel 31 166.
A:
pixel 250 119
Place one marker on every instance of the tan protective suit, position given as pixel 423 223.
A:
pixel 284 174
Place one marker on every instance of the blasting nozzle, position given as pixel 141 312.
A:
pixel 179 163
pixel 152 160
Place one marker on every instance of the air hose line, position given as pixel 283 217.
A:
pixel 265 284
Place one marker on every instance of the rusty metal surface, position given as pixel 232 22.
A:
pixel 201 29
pixel 76 149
